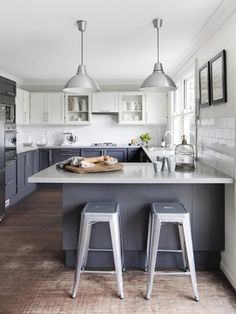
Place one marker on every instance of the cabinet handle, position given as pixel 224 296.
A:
pixel 10 182
pixel 10 94
pixel 24 116
pixel 65 154
pixel 27 160
pixel 104 152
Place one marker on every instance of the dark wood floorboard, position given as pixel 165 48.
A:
pixel 34 280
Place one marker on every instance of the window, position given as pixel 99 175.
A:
pixel 183 110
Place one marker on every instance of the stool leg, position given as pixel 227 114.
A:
pixel 183 247
pixel 156 228
pixel 189 247
pixel 115 238
pixel 86 248
pixel 80 253
pixel 148 241
pixel 122 244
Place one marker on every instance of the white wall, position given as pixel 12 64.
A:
pixel 104 128
pixel 216 127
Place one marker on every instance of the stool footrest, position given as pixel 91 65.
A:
pixel 100 250
pixel 170 251
pixel 173 273
pixel 99 271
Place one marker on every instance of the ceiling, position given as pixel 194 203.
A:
pixel 40 40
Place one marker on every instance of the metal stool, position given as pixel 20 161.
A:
pixel 170 213
pixel 92 213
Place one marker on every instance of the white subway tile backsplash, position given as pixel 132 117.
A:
pixel 216 142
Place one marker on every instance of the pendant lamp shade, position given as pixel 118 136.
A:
pixel 81 82
pixel 158 81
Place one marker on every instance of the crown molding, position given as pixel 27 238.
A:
pixel 218 17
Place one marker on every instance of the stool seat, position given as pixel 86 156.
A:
pixel 168 208
pixel 101 207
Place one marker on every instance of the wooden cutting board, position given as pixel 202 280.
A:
pixel 99 167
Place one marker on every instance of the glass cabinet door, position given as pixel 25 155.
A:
pixel 78 109
pixel 131 108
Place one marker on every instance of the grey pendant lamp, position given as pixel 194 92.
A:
pixel 158 81
pixel 81 82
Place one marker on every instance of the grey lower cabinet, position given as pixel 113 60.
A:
pixel 61 154
pixel 45 158
pixel 119 153
pixel 91 152
pixel 10 181
pixel 27 165
pixel 134 154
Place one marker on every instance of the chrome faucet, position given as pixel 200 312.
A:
pixel 168 144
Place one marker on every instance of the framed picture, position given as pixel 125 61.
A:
pixel 204 85
pixel 218 78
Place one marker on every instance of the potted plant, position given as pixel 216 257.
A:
pixel 145 137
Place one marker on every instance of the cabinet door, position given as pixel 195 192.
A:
pixel 78 109
pixel 55 108
pixel 133 154
pixel 10 179
pixel 132 108
pixel 91 152
pixel 21 178
pixel 63 154
pixel 156 108
pixel 38 110
pixel 104 102
pixel 36 161
pixel 19 106
pixel 45 158
pixel 120 154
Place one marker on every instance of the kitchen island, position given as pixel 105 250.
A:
pixel 135 188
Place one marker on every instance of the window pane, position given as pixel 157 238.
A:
pixel 178 129
pixel 178 99
pixel 189 128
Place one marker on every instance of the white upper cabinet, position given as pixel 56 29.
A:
pixel 22 106
pixel 55 107
pixel 78 109
pixel 105 102
pixel 132 108
pixel 156 108
pixel 47 108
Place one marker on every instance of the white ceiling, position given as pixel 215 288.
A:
pixel 40 41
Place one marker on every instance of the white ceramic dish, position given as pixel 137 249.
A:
pixel 111 161
pixel 27 144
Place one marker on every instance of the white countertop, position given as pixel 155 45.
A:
pixel 134 173
pixel 22 149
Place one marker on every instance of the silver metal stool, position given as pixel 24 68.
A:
pixel 170 213
pixel 92 213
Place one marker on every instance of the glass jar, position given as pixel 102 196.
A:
pixel 184 155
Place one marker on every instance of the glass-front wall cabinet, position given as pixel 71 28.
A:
pixel 131 108
pixel 78 109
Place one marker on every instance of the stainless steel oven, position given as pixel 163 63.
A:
pixel 10 142
pixel 10 113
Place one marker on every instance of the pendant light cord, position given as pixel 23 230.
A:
pixel 82 47
pixel 158 49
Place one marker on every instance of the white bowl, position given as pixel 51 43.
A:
pixel 111 161
pixel 27 144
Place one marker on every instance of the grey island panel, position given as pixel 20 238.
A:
pixel 135 203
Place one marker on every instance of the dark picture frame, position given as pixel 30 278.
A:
pixel 218 78
pixel 204 85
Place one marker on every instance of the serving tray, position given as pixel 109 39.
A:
pixel 99 167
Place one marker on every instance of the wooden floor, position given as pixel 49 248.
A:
pixel 33 278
